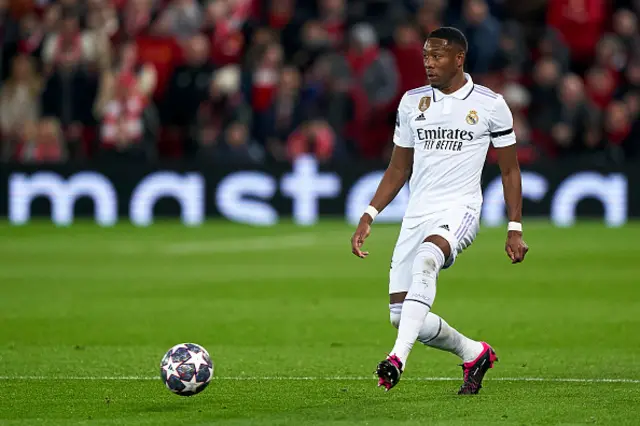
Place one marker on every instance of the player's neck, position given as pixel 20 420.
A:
pixel 456 84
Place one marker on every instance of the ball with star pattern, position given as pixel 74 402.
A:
pixel 186 369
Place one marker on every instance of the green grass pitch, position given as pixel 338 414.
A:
pixel 295 325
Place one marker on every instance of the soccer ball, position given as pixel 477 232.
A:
pixel 186 369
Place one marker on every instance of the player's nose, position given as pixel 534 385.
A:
pixel 429 65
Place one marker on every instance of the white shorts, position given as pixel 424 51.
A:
pixel 459 226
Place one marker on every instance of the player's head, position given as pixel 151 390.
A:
pixel 444 53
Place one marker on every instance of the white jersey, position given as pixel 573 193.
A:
pixel 450 135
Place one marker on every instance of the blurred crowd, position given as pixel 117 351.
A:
pixel 253 82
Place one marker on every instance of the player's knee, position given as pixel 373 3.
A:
pixel 395 311
pixel 429 259
pixel 441 242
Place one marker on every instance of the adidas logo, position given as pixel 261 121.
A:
pixel 445 227
pixel 420 117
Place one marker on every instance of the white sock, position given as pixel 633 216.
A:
pixel 395 312
pixel 426 266
pixel 436 333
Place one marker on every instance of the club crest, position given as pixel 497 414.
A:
pixel 472 117
pixel 425 101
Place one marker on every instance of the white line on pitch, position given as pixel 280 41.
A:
pixel 332 378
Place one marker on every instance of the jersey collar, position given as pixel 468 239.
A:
pixel 462 93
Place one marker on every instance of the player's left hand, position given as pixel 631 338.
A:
pixel 515 247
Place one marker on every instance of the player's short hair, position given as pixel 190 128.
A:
pixel 452 35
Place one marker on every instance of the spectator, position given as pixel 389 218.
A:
pixel 103 17
pixel 101 23
pixel 284 115
pixel 625 25
pixel 189 84
pixel 512 53
pixel 407 51
pixel 227 72
pixel 333 18
pixel 136 17
pixel 70 92
pixel 601 86
pixel 224 24
pixel 430 17
pixel 32 32
pixel 237 147
pixel 19 101
pixel 382 15
pixel 553 47
pixel 330 95
pixel 372 67
pixel 262 37
pixel 522 131
pixel 632 143
pixel 631 78
pixel 527 151
pixel 575 128
pixel 610 55
pixel 42 143
pixel 162 52
pixel 316 138
pixel 315 42
pixel 617 130
pixel 122 133
pixel 183 18
pixel 143 79
pixel 264 78
pixel 280 13
pixel 581 24
pixel 544 101
pixel 9 36
pixel 69 45
pixel 374 73
pixel 516 96
pixel 145 76
pixel 206 142
pixel 224 105
pixel 74 6
pixel 483 35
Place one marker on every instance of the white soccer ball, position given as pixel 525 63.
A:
pixel 186 369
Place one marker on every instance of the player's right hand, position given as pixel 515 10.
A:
pixel 357 240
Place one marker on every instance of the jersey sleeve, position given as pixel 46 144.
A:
pixel 402 133
pixel 501 125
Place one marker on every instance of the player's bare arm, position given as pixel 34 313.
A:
pixel 515 246
pixel 392 182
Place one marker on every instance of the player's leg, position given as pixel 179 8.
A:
pixel 418 257
pixel 438 334
pixel 435 332
pixel 459 228
pixel 477 357
pixel 429 259
pixel 400 273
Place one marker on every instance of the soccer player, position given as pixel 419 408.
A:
pixel 442 135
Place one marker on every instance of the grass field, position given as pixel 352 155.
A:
pixel 296 324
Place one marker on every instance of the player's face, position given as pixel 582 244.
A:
pixel 441 61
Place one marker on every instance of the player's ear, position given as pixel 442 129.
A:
pixel 460 59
